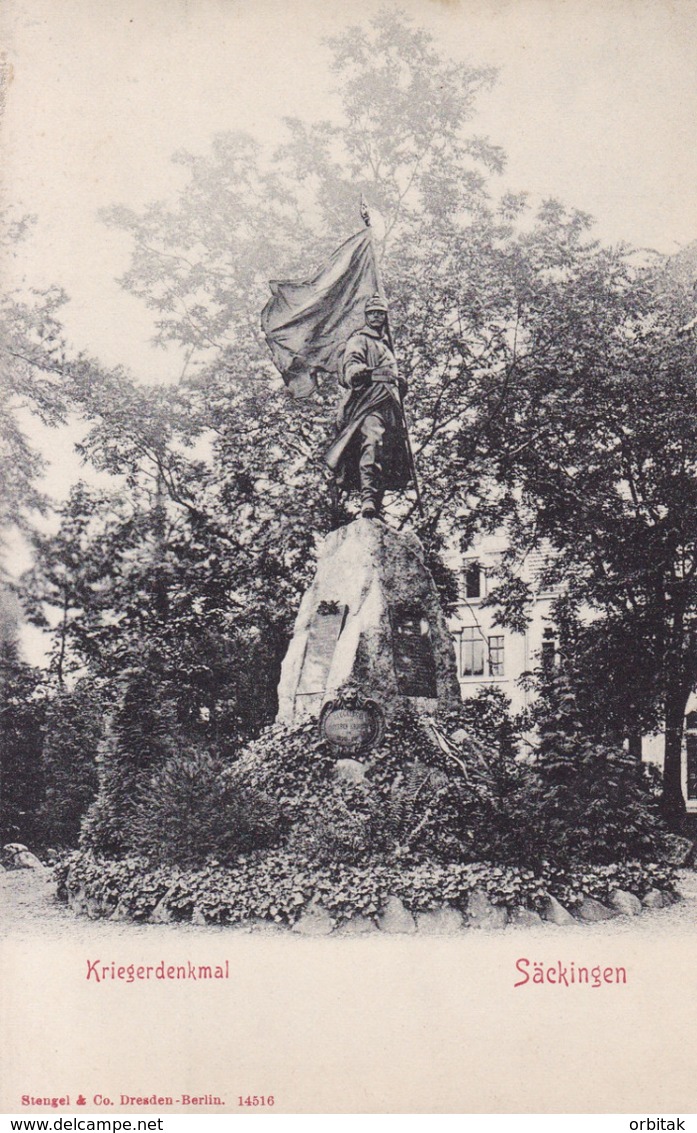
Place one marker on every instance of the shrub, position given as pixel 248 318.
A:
pixel 456 795
pixel 337 825
pixel 279 886
pixel 588 800
pixel 592 804
pixel 571 885
pixel 140 738
pixel 188 812
pixel 413 803
pixel 285 763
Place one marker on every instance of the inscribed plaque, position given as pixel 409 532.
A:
pixel 414 662
pixel 352 727
pixel 324 633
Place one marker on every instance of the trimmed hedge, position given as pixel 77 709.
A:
pixel 276 887
pixel 600 881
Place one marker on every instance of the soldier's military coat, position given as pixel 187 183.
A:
pixel 370 377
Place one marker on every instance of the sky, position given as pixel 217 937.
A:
pixel 596 104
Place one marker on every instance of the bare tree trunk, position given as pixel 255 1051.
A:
pixel 64 633
pixel 680 675
pixel 673 802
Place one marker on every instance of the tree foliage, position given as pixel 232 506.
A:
pixel 32 366
pixel 591 799
pixel 203 560
pixel 69 761
pixel 22 712
pixel 595 438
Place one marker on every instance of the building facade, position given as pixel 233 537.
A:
pixel 486 653
pixel 489 655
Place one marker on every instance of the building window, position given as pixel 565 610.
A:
pixel 549 650
pixel 474 581
pixel 496 655
pixel 472 652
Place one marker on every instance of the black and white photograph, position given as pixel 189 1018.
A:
pixel 348 557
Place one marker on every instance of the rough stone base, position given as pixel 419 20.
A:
pixel 626 904
pixel 161 914
pixel 655 899
pixel 524 918
pixel 440 922
pixel 315 921
pixel 592 911
pixel 554 912
pixel 483 914
pixel 357 926
pixel 396 918
pixel 348 634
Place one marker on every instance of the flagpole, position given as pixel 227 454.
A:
pixel 365 215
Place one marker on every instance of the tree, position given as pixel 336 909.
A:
pixel 35 382
pixel 587 800
pixel 129 584
pixel 610 662
pixel 237 526
pixel 595 437
pixel 549 392
pixel 72 732
pixel 22 709
pixel 245 217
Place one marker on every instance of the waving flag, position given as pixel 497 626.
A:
pixel 306 324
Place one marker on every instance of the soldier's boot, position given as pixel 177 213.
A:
pixel 370 465
pixel 371 505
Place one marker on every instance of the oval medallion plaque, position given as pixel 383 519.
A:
pixel 351 727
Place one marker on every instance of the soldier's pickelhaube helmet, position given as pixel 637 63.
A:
pixel 375 303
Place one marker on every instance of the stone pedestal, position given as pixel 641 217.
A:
pixel 372 621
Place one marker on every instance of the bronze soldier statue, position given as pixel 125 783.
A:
pixel 369 453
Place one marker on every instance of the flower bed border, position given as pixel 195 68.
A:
pixel 277 889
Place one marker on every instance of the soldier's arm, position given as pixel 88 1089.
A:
pixel 355 371
pixel 401 380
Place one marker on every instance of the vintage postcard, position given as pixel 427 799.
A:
pixel 348 591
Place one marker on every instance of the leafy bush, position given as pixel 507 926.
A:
pixel 278 886
pixel 414 804
pixel 572 885
pixel 286 763
pixel 140 738
pixel 486 718
pixel 188 812
pixel 592 801
pixel 444 791
pixel 593 804
pixel 338 825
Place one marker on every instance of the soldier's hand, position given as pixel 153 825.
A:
pixel 360 378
